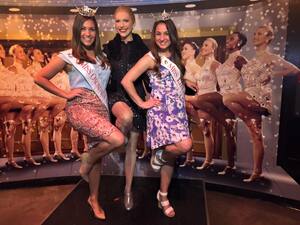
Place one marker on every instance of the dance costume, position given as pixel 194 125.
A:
pixel 167 123
pixel 228 76
pixel 257 76
pixel 24 82
pixel 206 79
pixel 88 113
pixel 7 82
pixel 122 57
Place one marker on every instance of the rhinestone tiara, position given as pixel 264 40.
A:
pixel 87 11
pixel 165 16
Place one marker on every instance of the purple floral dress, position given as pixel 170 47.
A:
pixel 168 122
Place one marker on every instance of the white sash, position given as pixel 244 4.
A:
pixel 88 72
pixel 175 72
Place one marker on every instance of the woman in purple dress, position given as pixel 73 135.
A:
pixel 167 123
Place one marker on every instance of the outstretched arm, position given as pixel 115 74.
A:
pixel 282 67
pixel 42 78
pixel 145 63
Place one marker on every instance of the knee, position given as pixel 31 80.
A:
pixel 28 108
pixel 43 123
pixel 10 128
pixel 125 119
pixel 205 126
pixel 186 145
pixel 117 139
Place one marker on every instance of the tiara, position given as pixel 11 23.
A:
pixel 165 16
pixel 87 11
pixel 194 43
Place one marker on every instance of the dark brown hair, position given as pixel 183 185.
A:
pixel 194 46
pixel 78 48
pixel 174 46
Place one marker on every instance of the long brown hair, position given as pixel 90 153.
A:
pixel 78 48
pixel 174 46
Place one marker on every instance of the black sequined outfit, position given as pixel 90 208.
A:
pixel 122 56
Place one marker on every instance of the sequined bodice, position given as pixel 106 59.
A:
pixel 206 80
pixel 255 74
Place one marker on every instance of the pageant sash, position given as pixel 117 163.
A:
pixel 175 72
pixel 89 73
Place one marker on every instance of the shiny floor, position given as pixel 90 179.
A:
pixel 32 205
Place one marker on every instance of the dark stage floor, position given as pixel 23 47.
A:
pixel 186 196
pixel 275 182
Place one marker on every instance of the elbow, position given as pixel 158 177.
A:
pixel 36 79
pixel 124 82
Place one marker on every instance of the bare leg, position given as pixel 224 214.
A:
pixel 10 130
pixel 250 112
pixel 94 184
pixel 85 143
pixel 43 124
pixel 74 142
pixel 26 118
pixel 109 143
pixel 59 122
pixel 205 125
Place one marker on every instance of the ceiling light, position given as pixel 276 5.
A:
pixel 253 0
pixel 189 6
pixel 14 9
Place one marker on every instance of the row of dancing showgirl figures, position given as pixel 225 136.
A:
pixel 24 102
pixel 107 100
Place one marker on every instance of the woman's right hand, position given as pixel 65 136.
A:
pixel 191 85
pixel 151 102
pixel 73 93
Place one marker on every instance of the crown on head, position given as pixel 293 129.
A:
pixel 87 11
pixel 165 16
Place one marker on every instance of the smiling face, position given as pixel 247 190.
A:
pixel 162 37
pixel 207 48
pixel 88 33
pixel 124 24
pixel 188 52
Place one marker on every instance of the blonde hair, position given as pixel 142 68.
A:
pixel 12 49
pixel 125 9
pixel 270 31
pixel 214 43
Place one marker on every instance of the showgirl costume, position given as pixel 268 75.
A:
pixel 60 80
pixel 122 57
pixel 205 79
pixel 257 77
pixel 191 68
pixel 88 113
pixel 24 84
pixel 7 84
pixel 168 122
pixel 228 75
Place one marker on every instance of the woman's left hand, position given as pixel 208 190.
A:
pixel 151 102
